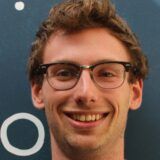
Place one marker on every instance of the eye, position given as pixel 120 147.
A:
pixel 65 74
pixel 106 73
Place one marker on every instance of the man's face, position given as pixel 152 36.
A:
pixel 107 107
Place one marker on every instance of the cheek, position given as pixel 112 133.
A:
pixel 119 99
pixel 123 102
pixel 52 97
pixel 53 102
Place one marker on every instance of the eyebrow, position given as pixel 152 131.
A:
pixel 77 63
pixel 64 61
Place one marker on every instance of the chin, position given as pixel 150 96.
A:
pixel 84 143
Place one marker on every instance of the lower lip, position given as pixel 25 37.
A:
pixel 85 125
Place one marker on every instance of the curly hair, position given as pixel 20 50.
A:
pixel 75 15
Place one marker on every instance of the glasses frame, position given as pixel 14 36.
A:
pixel 42 69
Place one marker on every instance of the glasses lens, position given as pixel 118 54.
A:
pixel 109 75
pixel 63 76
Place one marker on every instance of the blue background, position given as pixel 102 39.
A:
pixel 17 30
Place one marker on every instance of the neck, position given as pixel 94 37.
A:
pixel 116 153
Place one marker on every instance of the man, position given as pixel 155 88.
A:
pixel 86 71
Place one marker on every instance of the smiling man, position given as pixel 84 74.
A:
pixel 86 71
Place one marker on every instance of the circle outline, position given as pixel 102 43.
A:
pixel 22 152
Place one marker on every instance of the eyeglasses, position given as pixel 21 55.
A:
pixel 65 75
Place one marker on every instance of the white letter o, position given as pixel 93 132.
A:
pixel 17 151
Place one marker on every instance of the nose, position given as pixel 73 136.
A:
pixel 86 92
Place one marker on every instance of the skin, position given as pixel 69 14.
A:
pixel 105 140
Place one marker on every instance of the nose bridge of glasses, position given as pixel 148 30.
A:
pixel 88 67
pixel 85 66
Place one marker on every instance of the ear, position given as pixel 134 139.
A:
pixel 36 93
pixel 136 94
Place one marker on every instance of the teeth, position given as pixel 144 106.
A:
pixel 87 118
pixel 82 118
pixel 97 117
pixel 93 117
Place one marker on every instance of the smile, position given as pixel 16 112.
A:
pixel 86 117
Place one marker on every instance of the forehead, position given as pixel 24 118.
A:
pixel 85 47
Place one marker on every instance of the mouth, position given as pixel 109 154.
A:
pixel 89 117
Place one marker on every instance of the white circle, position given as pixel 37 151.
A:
pixel 22 152
pixel 19 5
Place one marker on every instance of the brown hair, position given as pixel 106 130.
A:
pixel 75 15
